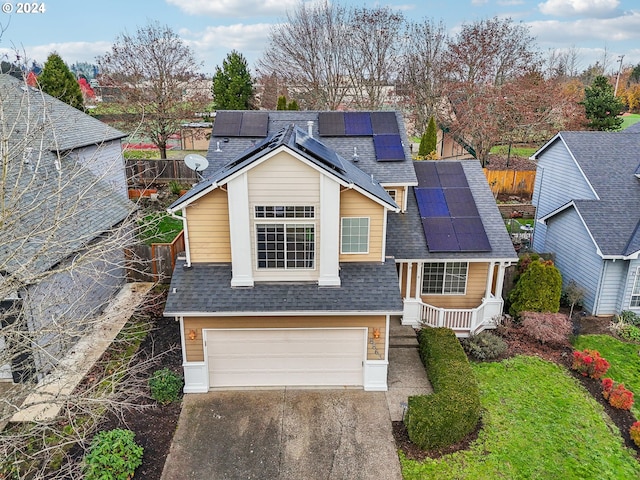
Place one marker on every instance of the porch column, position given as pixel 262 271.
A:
pixel 487 293
pixel 400 274
pixel 500 280
pixel 408 286
pixel 419 270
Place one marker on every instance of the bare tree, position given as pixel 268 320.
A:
pixel 563 63
pixel 421 71
pixel 308 52
pixel 65 220
pixel 151 70
pixel 373 54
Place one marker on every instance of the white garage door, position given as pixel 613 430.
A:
pixel 285 357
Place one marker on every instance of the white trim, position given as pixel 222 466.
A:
pixel 384 236
pixel 185 229
pixel 508 260
pixel 405 199
pixel 183 344
pixel 636 282
pixel 329 240
pixel 285 224
pixel 196 197
pixel 368 235
pixel 240 232
pixel 456 294
pixel 287 313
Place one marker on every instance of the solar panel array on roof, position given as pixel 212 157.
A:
pixel 240 124
pixel 388 148
pixel 384 123
pixel 319 151
pixel 450 217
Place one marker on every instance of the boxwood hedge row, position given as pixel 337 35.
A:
pixel 453 410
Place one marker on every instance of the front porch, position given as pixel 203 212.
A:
pixel 475 305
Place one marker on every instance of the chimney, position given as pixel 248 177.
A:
pixel 310 128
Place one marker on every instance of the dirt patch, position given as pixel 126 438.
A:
pixel 590 325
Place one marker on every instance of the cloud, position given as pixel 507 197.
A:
pixel 234 8
pixel 510 3
pixel 622 28
pixel 583 8
pixel 71 52
pixel 479 2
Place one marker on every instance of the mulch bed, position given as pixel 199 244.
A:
pixel 521 344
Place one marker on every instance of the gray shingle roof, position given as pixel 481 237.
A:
pixel 384 172
pixel 289 137
pixel 610 160
pixel 405 235
pixel 205 288
pixel 57 205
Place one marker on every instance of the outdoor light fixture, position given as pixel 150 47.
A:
pixel 376 333
pixel 192 335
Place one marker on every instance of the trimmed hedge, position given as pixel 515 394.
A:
pixel 453 410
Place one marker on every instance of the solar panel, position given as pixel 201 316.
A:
pixel 319 151
pixel 254 124
pixel 388 148
pixel 427 174
pixel 447 180
pixel 449 168
pixel 357 123
pixel 440 235
pixel 384 122
pixel 460 209
pixel 431 202
pixel 227 124
pixel 331 124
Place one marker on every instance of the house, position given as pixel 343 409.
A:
pixel 63 190
pixel 289 276
pixel 587 200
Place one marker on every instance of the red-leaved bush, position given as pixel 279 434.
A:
pixel 589 363
pixel 553 328
pixel 617 394
pixel 634 433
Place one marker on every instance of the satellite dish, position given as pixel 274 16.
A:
pixel 196 162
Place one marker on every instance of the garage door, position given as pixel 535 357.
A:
pixel 285 357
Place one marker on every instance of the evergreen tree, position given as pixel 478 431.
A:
pixel 422 149
pixel 282 103
pixel 432 136
pixel 232 84
pixel 601 106
pixel 57 80
pixel 293 105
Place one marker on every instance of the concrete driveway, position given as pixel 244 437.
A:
pixel 284 434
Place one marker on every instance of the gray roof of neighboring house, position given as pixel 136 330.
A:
pixel 610 161
pixel 635 128
pixel 383 172
pixel 58 205
pixel 290 136
pixel 405 235
pixel 206 288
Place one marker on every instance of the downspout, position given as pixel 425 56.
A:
pixel 185 229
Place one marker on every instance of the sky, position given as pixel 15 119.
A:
pixel 81 31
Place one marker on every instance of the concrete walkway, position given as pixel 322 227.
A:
pixel 45 402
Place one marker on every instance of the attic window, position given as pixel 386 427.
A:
pixel 280 211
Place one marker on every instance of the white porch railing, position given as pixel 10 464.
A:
pixel 463 321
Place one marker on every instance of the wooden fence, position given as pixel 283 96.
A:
pixel 158 171
pixel 154 263
pixel 511 181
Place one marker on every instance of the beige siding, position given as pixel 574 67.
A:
pixel 399 194
pixel 195 350
pixel 354 204
pixel 283 180
pixel 208 224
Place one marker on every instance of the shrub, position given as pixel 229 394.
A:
pixel 628 317
pixel 484 346
pixel 175 187
pixel 113 455
pixel 589 363
pixel 165 386
pixel 453 411
pixel 538 289
pixel 553 328
pixel 629 332
pixel 617 394
pixel 634 433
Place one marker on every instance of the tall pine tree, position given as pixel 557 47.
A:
pixel 232 84
pixel 601 106
pixel 57 80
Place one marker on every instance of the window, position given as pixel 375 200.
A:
pixel 444 278
pixel 355 235
pixel 635 294
pixel 392 194
pixel 285 246
pixel 284 211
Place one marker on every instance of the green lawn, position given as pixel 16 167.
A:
pixel 159 228
pixel 538 423
pixel 513 224
pixel 629 120
pixel 515 151
pixel 624 360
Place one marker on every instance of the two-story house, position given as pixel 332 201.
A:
pixel 288 277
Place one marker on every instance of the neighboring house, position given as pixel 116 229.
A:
pixel 289 277
pixel 587 198
pixel 63 190
pixel 195 135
